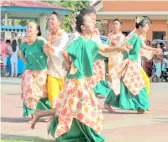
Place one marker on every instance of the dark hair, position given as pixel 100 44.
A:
pixel 119 20
pixel 14 45
pixel 37 27
pixel 39 30
pixel 58 16
pixel 148 41
pixel 80 17
pixel 143 21
pixel 8 41
pixel 79 22
pixel 88 10
pixel 157 44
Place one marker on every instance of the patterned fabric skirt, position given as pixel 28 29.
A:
pixel 33 88
pixel 99 70
pixel 126 100
pixel 100 84
pixel 77 101
pixel 79 132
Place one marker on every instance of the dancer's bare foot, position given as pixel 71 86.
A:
pixel 107 107
pixel 141 111
pixel 36 117
pixel 147 112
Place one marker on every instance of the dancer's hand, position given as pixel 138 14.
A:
pixel 126 47
pixel 66 66
pixel 48 49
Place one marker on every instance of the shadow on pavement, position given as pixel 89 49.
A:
pixel 24 138
pixel 118 112
pixel 161 120
pixel 14 119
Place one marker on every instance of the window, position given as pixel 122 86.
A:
pixel 159 35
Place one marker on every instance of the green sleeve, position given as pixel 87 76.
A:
pixel 133 40
pixel 40 43
pixel 72 49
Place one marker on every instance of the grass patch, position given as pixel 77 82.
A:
pixel 11 140
pixel 15 141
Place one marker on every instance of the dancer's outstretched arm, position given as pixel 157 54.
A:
pixel 125 47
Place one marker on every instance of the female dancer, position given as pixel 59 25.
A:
pixel 101 88
pixel 35 75
pixel 77 113
pixel 128 85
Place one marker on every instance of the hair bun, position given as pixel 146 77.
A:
pixel 139 19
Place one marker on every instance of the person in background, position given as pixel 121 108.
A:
pixel 14 58
pixel 148 43
pixel 5 53
pixel 157 62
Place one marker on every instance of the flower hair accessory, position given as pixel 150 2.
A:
pixel 139 19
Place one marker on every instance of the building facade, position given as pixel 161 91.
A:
pixel 127 10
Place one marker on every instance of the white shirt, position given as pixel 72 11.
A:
pixel 14 55
pixel 116 57
pixel 55 61
pixel 72 37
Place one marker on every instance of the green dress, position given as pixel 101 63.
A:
pixel 83 54
pixel 36 60
pixel 126 100
pixel 102 87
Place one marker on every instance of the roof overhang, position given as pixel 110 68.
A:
pixel 13 28
pixel 129 15
pixel 30 12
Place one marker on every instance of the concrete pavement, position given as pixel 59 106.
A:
pixel 122 126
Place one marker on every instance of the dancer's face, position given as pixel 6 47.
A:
pixel 53 22
pixel 158 45
pixel 116 26
pixel 145 29
pixel 93 16
pixel 88 24
pixel 31 29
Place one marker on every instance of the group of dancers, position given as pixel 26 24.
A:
pixel 64 75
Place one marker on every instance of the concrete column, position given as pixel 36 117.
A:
pixel 6 24
pixel 43 21
pixel 6 19
pixel 167 30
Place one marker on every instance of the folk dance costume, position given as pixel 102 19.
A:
pixel 101 88
pixel 56 73
pixel 78 113
pixel 34 89
pixel 98 68
pixel 128 84
pixel 115 57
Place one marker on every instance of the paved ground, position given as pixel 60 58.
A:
pixel 123 126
